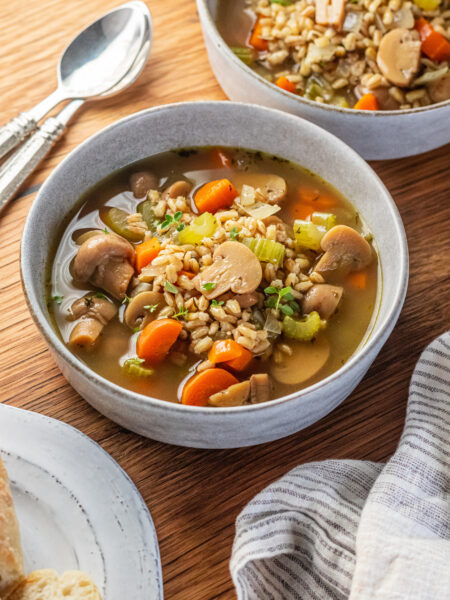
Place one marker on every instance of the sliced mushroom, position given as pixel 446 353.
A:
pixel 399 55
pixel 142 182
pixel 93 314
pixel 272 187
pixel 307 359
pixel 345 250
pixel 87 234
pixel 234 268
pixel 330 13
pixel 322 298
pixel 138 310
pixel 105 261
pixel 137 287
pixel 260 388
pixel 247 300
pixel 439 89
pixel 235 395
pixel 179 188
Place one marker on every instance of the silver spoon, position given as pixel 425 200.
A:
pixel 99 57
pixel 23 162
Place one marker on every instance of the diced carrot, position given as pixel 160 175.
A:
pixel 303 211
pixel 146 252
pixel 201 386
pixel 284 83
pixel 231 354
pixel 367 102
pixel 311 200
pixel 220 159
pixel 434 44
pixel 189 274
pixel 156 339
pixel 255 38
pixel 214 195
pixel 358 279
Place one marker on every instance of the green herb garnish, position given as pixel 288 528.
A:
pixel 151 307
pixel 58 299
pixel 136 329
pixel 100 295
pixel 217 302
pixel 170 287
pixel 234 233
pixel 276 296
pixel 180 227
pixel 126 299
pixel 169 221
pixel 209 286
pixel 181 314
pixel 282 2
pixel 105 230
pixel 135 361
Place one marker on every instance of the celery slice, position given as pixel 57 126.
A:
pixel 116 219
pixel 266 250
pixel 327 220
pixel 201 227
pixel 134 367
pixel 304 329
pixel 308 235
pixel 245 54
pixel 146 210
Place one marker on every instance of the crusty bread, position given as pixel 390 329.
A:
pixel 46 585
pixel 11 559
pixel 75 585
pixel 38 585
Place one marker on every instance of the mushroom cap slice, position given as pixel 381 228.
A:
pixel 234 268
pixel 106 261
pixel 323 298
pixel 235 395
pixel 179 188
pixel 93 314
pixel 143 181
pixel 439 89
pixel 272 187
pixel 307 360
pixel 344 249
pixel 136 313
pixel 398 55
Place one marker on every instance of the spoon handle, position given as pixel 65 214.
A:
pixel 15 131
pixel 23 162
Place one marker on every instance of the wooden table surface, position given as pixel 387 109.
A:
pixel 194 495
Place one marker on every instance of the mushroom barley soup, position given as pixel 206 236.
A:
pixel 363 54
pixel 213 276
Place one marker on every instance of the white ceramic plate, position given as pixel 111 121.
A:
pixel 77 508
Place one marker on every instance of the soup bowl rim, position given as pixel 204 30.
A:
pixel 53 340
pixel 206 17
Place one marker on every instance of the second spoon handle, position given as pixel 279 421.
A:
pixel 23 162
pixel 15 131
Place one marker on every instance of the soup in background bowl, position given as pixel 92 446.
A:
pixel 152 133
pixel 214 277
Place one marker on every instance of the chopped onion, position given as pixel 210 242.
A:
pixel 317 55
pixel 403 18
pixel 272 324
pixel 261 210
pixel 247 196
pixel 353 21
pixel 431 76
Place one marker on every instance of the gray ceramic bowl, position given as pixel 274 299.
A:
pixel 375 135
pixel 208 123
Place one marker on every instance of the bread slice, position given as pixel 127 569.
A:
pixel 11 559
pixel 46 585
pixel 75 585
pixel 38 585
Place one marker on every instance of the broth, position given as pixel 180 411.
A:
pixel 344 331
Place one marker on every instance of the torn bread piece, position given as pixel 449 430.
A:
pixel 11 559
pixel 45 584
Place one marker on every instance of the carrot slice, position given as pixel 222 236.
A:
pixel 311 200
pixel 215 195
pixel 146 252
pixel 220 159
pixel 231 354
pixel 189 274
pixel 367 102
pixel 156 339
pixel 358 279
pixel 200 387
pixel 434 44
pixel 284 83
pixel 255 38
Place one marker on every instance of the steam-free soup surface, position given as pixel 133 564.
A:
pixel 269 214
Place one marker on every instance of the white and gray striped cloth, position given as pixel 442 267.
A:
pixel 360 530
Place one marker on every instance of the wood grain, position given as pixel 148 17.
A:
pixel 194 496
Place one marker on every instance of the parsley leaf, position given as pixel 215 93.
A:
pixel 170 287
pixel 276 296
pixel 286 309
pixel 151 307
pixel 209 286
pixel 177 216
pixel 181 314
pixel 217 303
pixel 126 299
pixel 105 230
pixel 58 299
pixel 180 227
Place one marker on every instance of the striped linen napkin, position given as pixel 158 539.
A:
pixel 343 529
